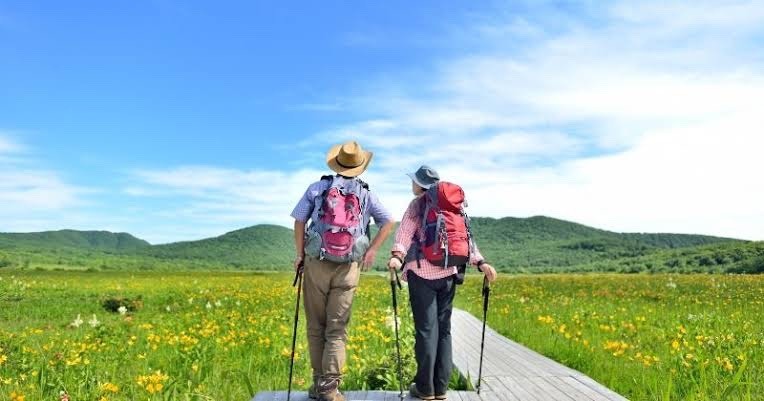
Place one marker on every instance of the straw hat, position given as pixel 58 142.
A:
pixel 348 159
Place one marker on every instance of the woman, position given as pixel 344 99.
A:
pixel 431 293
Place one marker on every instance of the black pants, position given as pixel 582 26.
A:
pixel 431 303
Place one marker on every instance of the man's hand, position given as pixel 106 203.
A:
pixel 297 263
pixel 489 271
pixel 368 259
pixel 394 263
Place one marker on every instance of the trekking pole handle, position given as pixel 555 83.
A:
pixel 298 273
pixel 394 279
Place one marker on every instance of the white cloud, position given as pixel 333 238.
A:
pixel 646 120
pixel 216 200
pixel 7 146
pixel 32 197
pixel 638 117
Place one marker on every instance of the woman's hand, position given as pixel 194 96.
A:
pixel 394 263
pixel 489 271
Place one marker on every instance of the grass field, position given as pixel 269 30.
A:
pixel 194 336
pixel 661 337
pixel 224 336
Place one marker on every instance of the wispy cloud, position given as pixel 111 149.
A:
pixel 216 199
pixel 7 146
pixel 639 117
pixel 626 116
pixel 32 197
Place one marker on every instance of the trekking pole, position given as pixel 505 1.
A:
pixel 486 293
pixel 298 283
pixel 394 280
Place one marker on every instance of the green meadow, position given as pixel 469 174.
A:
pixel 225 336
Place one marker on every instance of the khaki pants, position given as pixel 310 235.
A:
pixel 328 297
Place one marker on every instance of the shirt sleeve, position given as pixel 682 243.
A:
pixel 381 215
pixel 304 207
pixel 408 227
pixel 475 255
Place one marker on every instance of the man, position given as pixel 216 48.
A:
pixel 431 292
pixel 340 208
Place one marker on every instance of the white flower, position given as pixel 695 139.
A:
pixel 390 320
pixel 167 308
pixel 218 303
pixel 671 285
pixel 208 306
pixel 190 301
pixel 94 322
pixel 238 303
pixel 122 310
pixel 77 322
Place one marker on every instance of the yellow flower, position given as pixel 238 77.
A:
pixel 109 388
pixel 3 358
pixel 17 396
pixel 153 383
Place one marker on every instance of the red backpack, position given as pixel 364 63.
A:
pixel 447 237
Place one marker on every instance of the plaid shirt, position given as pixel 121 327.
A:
pixel 411 225
pixel 305 206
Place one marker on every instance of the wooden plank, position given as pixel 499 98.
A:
pixel 375 396
pixel 496 387
pixel 608 393
pixel 355 395
pixel 545 363
pixel 494 363
pixel 541 394
pixel 570 385
pixel 551 390
pixel 280 396
pixel 534 363
pixel 453 395
pixel 517 389
pixel 469 396
pixel 511 363
pixel 394 396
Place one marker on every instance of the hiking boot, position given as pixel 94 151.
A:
pixel 335 396
pixel 413 392
pixel 328 389
pixel 313 392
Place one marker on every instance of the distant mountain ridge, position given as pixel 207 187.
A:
pixel 101 240
pixel 534 244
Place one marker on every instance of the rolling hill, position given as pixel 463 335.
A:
pixel 92 240
pixel 535 244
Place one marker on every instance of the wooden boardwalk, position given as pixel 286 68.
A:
pixel 511 372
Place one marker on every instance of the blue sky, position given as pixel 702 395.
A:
pixel 178 120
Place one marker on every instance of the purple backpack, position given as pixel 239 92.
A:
pixel 339 224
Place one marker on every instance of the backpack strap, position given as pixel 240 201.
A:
pixel 363 183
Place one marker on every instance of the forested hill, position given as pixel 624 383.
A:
pixel 535 244
pixel 93 240
pixel 265 246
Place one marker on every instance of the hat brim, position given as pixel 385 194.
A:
pixel 331 161
pixel 417 182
